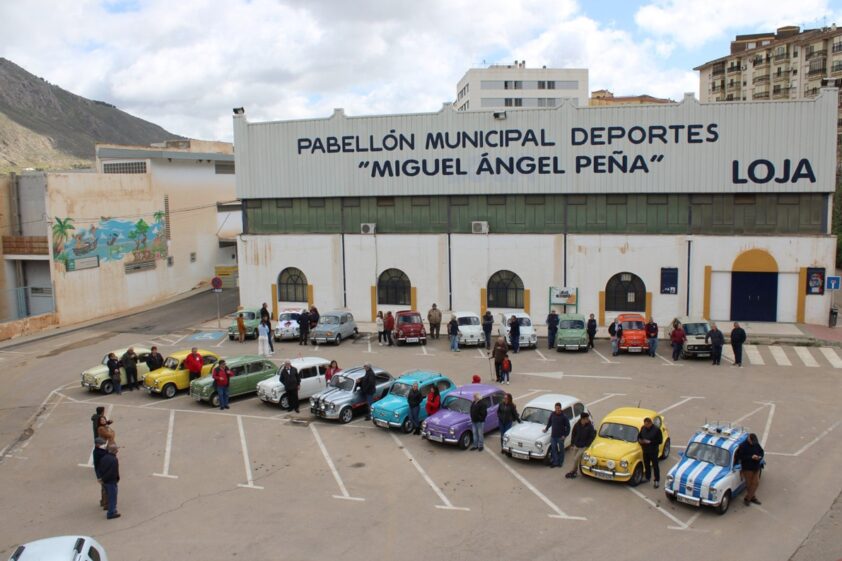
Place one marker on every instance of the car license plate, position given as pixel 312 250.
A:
pixel 635 349
pixel 380 423
pixel 435 437
pixel 702 354
pixel 601 475
pixel 321 340
pixel 520 455
pixel 412 339
pixel 572 347
pixel 687 500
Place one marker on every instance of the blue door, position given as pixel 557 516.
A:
pixel 754 296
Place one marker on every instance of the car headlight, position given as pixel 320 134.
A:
pixel 423 425
pixel 374 412
pixel 452 431
pixel 624 464
pixel 592 460
pixel 539 445
pixel 312 401
pixel 331 406
pixel 586 458
pixel 329 333
pixel 713 494
pixel 670 480
pixel 610 464
pixel 397 415
pixel 505 439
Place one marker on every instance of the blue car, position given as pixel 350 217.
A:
pixel 393 410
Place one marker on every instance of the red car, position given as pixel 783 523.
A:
pixel 409 328
pixel 634 333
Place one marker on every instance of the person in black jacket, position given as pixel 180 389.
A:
pixel 507 414
pixel 154 360
pixel 717 341
pixel 368 386
pixel 738 339
pixel 304 328
pixel 98 453
pixel 615 330
pixel 479 411
pixel 552 328
pixel 591 330
pixel 129 362
pixel 291 381
pixel 414 399
pixel 583 435
pixel 487 326
pixel 560 429
pixel 514 334
pixel 650 439
pixel 453 333
pixel 109 474
pixel 100 412
pixel 750 455
pixel 113 366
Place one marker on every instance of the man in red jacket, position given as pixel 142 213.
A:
pixel 388 326
pixel 194 362
pixel 221 377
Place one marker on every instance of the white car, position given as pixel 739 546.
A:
pixel 528 336
pixel 527 440
pixel 72 548
pixel 470 329
pixel 312 372
pixel 287 328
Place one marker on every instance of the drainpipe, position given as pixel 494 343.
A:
pixel 687 306
pixel 344 281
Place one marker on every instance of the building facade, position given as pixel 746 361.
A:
pixel 502 86
pixel 668 210
pixel 606 97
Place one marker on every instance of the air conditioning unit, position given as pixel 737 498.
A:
pixel 479 227
pixel 368 228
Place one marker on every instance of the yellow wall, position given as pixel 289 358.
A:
pixel 755 261
pixel 527 300
pixel 483 301
pixel 706 298
pixel 802 295
pixel 373 303
pixel 601 307
pixel 274 300
pixel 413 298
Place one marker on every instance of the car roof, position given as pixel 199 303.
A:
pixel 58 548
pixel 720 435
pixel 548 401
pixel 631 316
pixel 629 415
pixel 689 319
pixel 465 314
pixel 137 349
pixel 516 313
pixel 334 313
pixel 184 352
pixel 306 361
pixel 244 359
pixel 291 310
pixel 420 376
pixel 359 371
pixel 407 312
pixel 468 390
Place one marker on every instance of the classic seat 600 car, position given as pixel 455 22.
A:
pixel 311 369
pixel 97 378
pixel 634 333
pixel 409 328
pixel 343 397
pixel 393 410
pixel 251 318
pixel 452 423
pixel 527 440
pixel 571 335
pixel 615 454
pixel 173 376
pixel 334 327
pixel 247 372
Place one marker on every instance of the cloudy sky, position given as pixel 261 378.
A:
pixel 184 64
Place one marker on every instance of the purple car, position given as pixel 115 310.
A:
pixel 452 423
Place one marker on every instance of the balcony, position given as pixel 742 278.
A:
pixel 816 72
pixel 760 62
pixel 761 95
pixel 837 47
pixel 734 87
pixel 782 77
pixel 26 245
pixel 736 68
pixel 781 56
pixel 782 93
pixel 837 67
pixel 814 54
pixel 762 79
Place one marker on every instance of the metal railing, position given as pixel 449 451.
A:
pixel 25 301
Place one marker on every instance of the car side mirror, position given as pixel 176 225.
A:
pixel 681 454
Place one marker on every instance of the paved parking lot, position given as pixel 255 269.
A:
pixel 258 482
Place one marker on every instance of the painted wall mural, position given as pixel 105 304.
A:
pixel 110 239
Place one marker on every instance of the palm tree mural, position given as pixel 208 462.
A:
pixel 142 229
pixel 61 233
pixel 159 216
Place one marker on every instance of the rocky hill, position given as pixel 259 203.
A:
pixel 44 126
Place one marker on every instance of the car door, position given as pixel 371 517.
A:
pixel 658 421
pixel 422 410
pixel 142 368
pixel 309 382
pixel 491 420
pixel 383 384
pixel 207 364
pixel 320 378
pixel 568 412
pixel 238 380
pixel 445 387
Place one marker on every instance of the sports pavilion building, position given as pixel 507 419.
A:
pixel 719 210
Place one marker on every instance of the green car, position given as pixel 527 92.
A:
pixel 248 371
pixel 252 317
pixel 571 335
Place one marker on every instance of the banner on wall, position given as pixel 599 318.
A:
pixel 815 280
pixel 564 296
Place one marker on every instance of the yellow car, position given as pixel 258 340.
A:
pixel 615 454
pixel 173 376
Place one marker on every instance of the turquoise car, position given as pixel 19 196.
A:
pixel 393 410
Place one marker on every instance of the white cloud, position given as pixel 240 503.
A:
pixel 692 23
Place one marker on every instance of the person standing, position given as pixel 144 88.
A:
pixel 332 370
pixel 591 330
pixel 414 399
pixel 291 381
pixel 100 412
pixel 652 337
pixel 717 341
pixel 221 379
pixel 677 338
pixel 507 415
pixel 109 474
pixel 738 339
pixel 304 328
pixel 154 360
pixel 388 326
pixel 650 439
pixel 583 435
pixel 194 363
pixel 266 316
pixel 453 333
pixel 113 366
pixel 487 326
pixel 100 451
pixel 314 317
pixel 378 322
pixel 241 328
pixel 498 353
pixel 368 386
pixel 129 361
pixel 750 455
pixel 479 412
pixel 433 400
pixel 615 330
pixel 263 336
pixel 552 328
pixel 560 425
pixel 105 431
pixel 434 317
pixel 514 334
pixel 505 369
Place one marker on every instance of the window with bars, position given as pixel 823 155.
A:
pixel 292 285
pixel 625 292
pixel 504 290
pixel 223 168
pixel 393 288
pixel 124 167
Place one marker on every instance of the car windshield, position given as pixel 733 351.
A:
pixel 400 389
pixel 409 319
pixel 618 432
pixel 707 453
pixel 633 324
pixel 249 315
pixel 329 320
pixel 468 320
pixel 696 328
pixel 571 324
pixel 342 383
pixel 288 317
pixel 171 363
pixel 105 360
pixel 536 415
pixel 458 404
pixel 524 321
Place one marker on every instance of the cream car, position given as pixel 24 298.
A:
pixel 312 371
pixel 527 440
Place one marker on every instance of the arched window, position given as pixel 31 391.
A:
pixel 393 288
pixel 505 290
pixel 292 285
pixel 625 292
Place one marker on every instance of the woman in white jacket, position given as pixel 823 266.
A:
pixel 381 334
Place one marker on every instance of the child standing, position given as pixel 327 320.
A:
pixel 505 369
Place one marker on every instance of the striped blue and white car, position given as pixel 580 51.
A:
pixel 707 474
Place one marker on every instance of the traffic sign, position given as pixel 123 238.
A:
pixel 216 283
pixel 833 283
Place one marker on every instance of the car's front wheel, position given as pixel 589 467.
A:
pixel 406 426
pixel 637 476
pixel 284 402
pixel 107 387
pixel 169 391
pixel 338 339
pixel 465 440
pixel 666 453
pixel 214 399
pixel 346 415
pixel 723 505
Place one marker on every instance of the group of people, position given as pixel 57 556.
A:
pixel 129 361
pixel 106 465
pixel 714 337
pixel 307 320
pixel 385 324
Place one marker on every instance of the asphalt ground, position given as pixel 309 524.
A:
pixel 256 482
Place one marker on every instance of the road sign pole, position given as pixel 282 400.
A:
pixel 218 320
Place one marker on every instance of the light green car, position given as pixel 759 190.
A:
pixel 96 378
pixel 571 335
pixel 252 320
pixel 248 372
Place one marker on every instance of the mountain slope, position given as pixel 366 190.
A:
pixel 46 126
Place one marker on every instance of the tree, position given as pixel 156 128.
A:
pixel 159 216
pixel 61 232
pixel 142 229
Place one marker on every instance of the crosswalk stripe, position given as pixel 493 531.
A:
pixel 779 355
pixel 806 357
pixel 832 357
pixel 753 355
pixel 728 354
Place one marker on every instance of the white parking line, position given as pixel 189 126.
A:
pixel 604 359
pixel 90 463
pixel 168 450
pixel 809 444
pixel 423 351
pixel 447 504
pixel 543 358
pixel 246 461
pixel 345 494
pixel 682 402
pixel 747 415
pixel 603 398
pixel 806 357
pixel 481 354
pixel 163 400
pixel 221 342
pixel 668 362
pixel 768 423
pixel 831 357
pixel 753 355
pixel 779 355
pixel 679 525
pixel 42 413
pixel 369 351
pixel 558 375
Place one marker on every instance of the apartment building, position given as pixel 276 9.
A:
pixel 515 85
pixel 607 97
